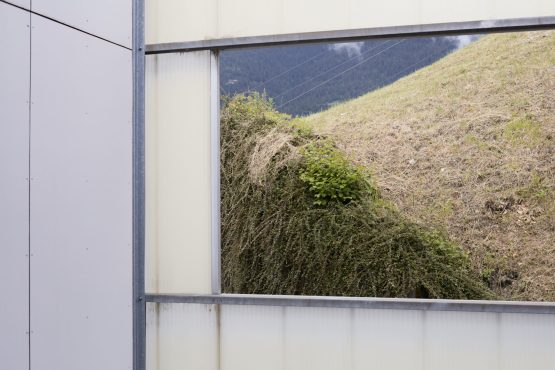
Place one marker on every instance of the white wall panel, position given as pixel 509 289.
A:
pixel 182 336
pixel 108 19
pixel 81 200
pixel 196 19
pixel 14 187
pixel 460 340
pixel 388 339
pixel 178 197
pixel 526 342
pixel 252 337
pixel 22 3
pixel 186 337
pixel 188 20
pixel 317 338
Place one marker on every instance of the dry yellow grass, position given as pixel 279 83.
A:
pixel 467 144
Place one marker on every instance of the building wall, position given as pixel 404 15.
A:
pixel 190 20
pixel 244 337
pixel 65 188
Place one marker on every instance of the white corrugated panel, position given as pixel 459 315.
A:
pixel 388 339
pixel 526 342
pixel 22 3
pixel 108 19
pixel 178 216
pixel 315 338
pixel 252 337
pixel 460 340
pixel 185 336
pixel 81 200
pixel 14 187
pixel 196 19
pixel 188 20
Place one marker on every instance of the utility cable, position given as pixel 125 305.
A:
pixel 331 69
pixel 420 61
pixel 298 65
pixel 339 74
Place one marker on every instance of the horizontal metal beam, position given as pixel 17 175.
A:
pixel 355 302
pixel 366 34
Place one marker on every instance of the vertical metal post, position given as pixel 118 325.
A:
pixel 139 302
pixel 215 170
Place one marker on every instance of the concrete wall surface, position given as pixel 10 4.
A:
pixel 191 20
pixel 230 337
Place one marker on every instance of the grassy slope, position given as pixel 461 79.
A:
pixel 480 126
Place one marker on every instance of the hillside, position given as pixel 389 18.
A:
pixel 251 68
pixel 467 144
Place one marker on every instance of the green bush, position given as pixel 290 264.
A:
pixel 331 176
pixel 275 240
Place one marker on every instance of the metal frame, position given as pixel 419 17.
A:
pixel 139 52
pixel 358 302
pixel 139 304
pixel 216 275
pixel 364 34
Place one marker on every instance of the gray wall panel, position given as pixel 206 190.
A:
pixel 108 19
pixel 14 187
pixel 22 3
pixel 81 201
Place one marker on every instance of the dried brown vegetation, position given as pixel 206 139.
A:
pixel 467 144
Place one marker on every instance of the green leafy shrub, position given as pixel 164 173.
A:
pixel 275 240
pixel 331 176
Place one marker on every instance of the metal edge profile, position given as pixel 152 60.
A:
pixel 139 303
pixel 357 302
pixel 215 170
pixel 365 34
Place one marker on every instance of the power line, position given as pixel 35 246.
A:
pixel 420 61
pixel 339 74
pixel 306 61
pixel 331 69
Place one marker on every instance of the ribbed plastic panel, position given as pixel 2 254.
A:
pixel 199 336
pixel 189 20
pixel 526 342
pixel 178 216
pixel 182 336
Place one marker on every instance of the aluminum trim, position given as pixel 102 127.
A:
pixel 366 34
pixel 359 302
pixel 215 170
pixel 139 304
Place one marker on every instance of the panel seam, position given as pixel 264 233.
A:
pixel 29 184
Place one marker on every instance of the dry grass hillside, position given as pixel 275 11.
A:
pixel 467 144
